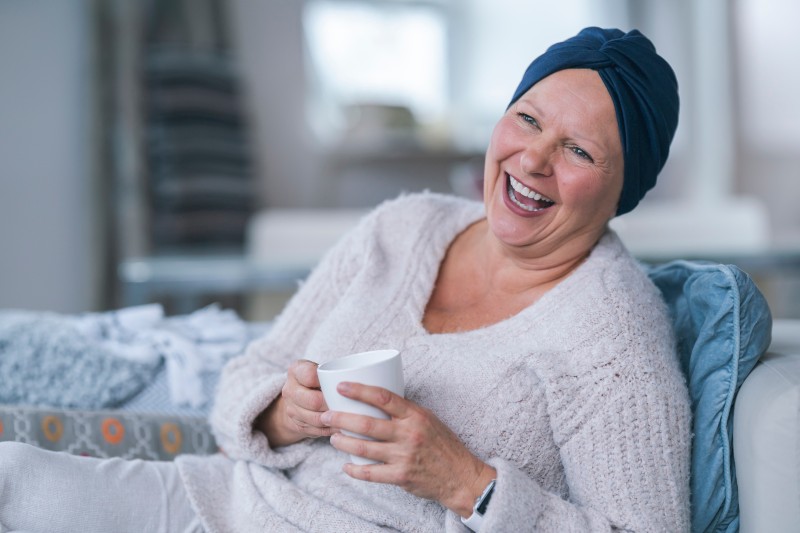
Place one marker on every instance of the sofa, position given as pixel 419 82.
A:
pixel 766 436
pixel 743 373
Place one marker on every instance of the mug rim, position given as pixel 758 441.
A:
pixel 336 365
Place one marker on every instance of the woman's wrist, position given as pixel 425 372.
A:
pixel 463 500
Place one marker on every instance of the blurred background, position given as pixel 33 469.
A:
pixel 196 151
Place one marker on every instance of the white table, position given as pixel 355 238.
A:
pixel 186 279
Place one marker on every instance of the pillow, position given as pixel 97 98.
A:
pixel 723 325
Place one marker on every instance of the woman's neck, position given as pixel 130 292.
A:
pixel 480 283
pixel 517 269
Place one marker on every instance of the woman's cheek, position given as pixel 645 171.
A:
pixel 501 142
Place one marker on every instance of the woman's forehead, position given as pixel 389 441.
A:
pixel 581 87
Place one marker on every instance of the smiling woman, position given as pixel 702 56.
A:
pixel 543 390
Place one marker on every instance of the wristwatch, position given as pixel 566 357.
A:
pixel 479 509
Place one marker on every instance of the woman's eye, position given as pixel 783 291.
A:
pixel 529 119
pixel 582 154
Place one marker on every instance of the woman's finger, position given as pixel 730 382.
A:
pixel 368 449
pixel 385 400
pixel 307 422
pixel 375 428
pixel 377 473
pixel 303 416
pixel 308 399
pixel 305 372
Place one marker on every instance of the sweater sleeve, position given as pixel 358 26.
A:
pixel 626 466
pixel 251 382
pixel 622 426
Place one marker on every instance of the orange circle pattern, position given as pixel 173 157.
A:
pixel 52 427
pixel 113 430
pixel 1 428
pixel 171 437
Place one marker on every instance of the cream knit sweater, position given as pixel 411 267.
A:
pixel 577 401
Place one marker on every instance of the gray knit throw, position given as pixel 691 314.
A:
pixel 46 361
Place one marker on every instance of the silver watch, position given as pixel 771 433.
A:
pixel 479 509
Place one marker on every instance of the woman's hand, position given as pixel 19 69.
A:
pixel 419 453
pixel 295 414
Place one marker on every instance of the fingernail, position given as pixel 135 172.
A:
pixel 326 418
pixel 344 387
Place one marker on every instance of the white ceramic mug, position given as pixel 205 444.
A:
pixel 380 368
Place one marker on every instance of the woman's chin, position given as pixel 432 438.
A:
pixel 512 231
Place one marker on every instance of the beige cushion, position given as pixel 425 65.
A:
pixel 297 238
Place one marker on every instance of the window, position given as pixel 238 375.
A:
pixel 453 63
pixel 371 53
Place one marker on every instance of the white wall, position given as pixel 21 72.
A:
pixel 47 240
pixel 768 113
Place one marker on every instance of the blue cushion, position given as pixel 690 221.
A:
pixel 723 325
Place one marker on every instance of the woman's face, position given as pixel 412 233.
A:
pixel 554 166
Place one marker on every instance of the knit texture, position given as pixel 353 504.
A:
pixel 47 360
pixel 578 400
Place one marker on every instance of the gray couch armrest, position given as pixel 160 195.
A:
pixel 766 436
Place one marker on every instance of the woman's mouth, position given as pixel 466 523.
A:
pixel 525 198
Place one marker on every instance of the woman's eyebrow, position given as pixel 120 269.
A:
pixel 536 109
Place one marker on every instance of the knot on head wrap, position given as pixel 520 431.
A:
pixel 643 88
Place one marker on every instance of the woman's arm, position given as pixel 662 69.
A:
pixel 251 383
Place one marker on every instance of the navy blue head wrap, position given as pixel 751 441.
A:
pixel 644 90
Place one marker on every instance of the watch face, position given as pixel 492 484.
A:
pixel 483 503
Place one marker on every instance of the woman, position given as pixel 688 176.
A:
pixel 543 391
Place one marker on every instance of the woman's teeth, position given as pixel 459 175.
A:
pixel 525 191
pixel 516 188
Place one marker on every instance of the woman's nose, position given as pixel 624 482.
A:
pixel 536 158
